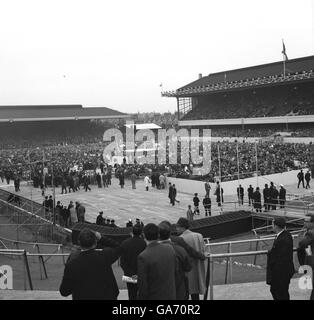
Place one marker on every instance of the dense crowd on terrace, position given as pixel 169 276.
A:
pixel 291 100
pixel 272 158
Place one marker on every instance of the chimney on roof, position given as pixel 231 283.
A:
pixel 200 76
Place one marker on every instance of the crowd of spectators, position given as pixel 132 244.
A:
pixel 290 100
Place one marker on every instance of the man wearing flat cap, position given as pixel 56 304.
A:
pixel 280 268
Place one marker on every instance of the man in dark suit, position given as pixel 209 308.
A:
pixel 156 268
pixel 170 192
pixel 280 268
pixel 240 193
pixel 88 273
pixel 183 262
pixel 100 219
pixel 132 247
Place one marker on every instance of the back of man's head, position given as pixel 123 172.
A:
pixel 164 230
pixel 87 239
pixel 151 232
pixel 137 230
pixel 280 222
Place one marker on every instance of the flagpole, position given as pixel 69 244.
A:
pixel 220 182
pixel 284 59
pixel 256 163
pixel 238 164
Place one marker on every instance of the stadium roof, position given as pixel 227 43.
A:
pixel 55 112
pixel 265 74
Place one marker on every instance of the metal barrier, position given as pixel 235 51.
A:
pixel 210 268
pixel 229 263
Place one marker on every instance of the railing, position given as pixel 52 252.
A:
pixel 25 255
pixel 230 244
pixel 210 268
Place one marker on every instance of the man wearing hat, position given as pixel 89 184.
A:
pixel 306 248
pixel 196 277
pixel 280 268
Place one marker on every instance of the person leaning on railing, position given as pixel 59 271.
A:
pixel 305 249
pixel 88 273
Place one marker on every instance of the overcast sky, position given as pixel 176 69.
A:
pixel 117 53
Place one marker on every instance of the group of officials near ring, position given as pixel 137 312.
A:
pixel 167 262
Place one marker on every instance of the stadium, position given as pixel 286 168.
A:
pixel 262 126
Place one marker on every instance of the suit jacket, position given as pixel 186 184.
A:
pixel 183 265
pixel 132 247
pixel 190 250
pixel 156 272
pixel 88 275
pixel 280 267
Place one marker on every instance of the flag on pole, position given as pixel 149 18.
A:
pixel 284 51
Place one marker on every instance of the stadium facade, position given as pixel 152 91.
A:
pixel 279 93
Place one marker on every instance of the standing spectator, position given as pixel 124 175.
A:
pixel 129 224
pixel 219 195
pixel 72 212
pixel 133 180
pixel 207 188
pixel 207 203
pixel 98 179
pixel 71 183
pixel 274 197
pixel 280 268
pixel 50 203
pixel 86 182
pixel 147 182
pixel 196 202
pixel 196 277
pixel 183 262
pixel 240 193
pixel 170 192
pixel 17 183
pixel 46 205
pixel 300 178
pixel 58 213
pixel 64 185
pixel 100 219
pixel 104 179
pixel 121 179
pixel 162 181
pixel 113 224
pixel 282 196
pixel 189 213
pixel 306 248
pixel 84 284
pixel 257 200
pixel 109 174
pixel 250 192
pixel 139 222
pixel 65 216
pixel 132 247
pixel 267 197
pixel 174 195
pixel 156 268
pixel 308 179
pixel 81 213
